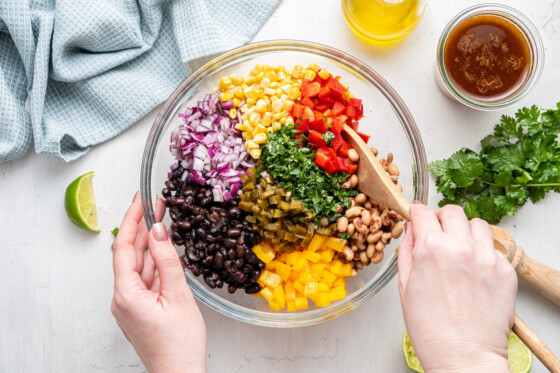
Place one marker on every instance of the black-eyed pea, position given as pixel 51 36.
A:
pixel 354 273
pixel 399 187
pixel 353 212
pixel 351 229
pixel 389 158
pixel 397 230
pixel 370 250
pixel 374 151
pixel 374 237
pixel 386 237
pixel 360 199
pixel 348 253
pixel 393 170
pixel 361 246
pixel 360 226
pixel 363 257
pixel 353 155
pixel 342 224
pixel 353 181
pixel 394 178
pixel 366 217
pixel 377 257
pixel 359 265
pixel 368 205
pixel 375 213
pixel 379 246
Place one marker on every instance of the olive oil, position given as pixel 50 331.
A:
pixel 383 21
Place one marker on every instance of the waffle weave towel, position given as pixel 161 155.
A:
pixel 74 73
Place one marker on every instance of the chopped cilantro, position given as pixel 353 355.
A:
pixel 294 168
pixel 345 235
pixel 520 161
pixel 328 136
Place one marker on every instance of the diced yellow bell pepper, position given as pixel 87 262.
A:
pixel 283 270
pixel 290 291
pixel 264 252
pixel 275 306
pixel 346 270
pixel 311 256
pixel 340 281
pixel 271 266
pixel 279 296
pixel 336 267
pixel 269 279
pixel 317 242
pixel 317 268
pixel 337 293
pixel 323 288
pixel 300 264
pixel 299 287
pixel 327 255
pixel 291 306
pixel 266 294
pixel 336 244
pixel 292 258
pixel 322 300
pixel 327 277
pixel 311 289
pixel 294 275
pixel 305 276
pixel 301 303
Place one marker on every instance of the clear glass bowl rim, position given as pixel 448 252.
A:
pixel 535 45
pixel 401 111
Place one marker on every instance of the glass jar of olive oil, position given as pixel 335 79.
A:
pixel 383 21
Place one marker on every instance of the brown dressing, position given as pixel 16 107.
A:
pixel 487 57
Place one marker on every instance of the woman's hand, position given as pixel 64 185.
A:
pixel 157 313
pixel 457 292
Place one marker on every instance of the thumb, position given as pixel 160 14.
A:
pixel 166 260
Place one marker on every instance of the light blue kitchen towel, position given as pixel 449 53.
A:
pixel 74 73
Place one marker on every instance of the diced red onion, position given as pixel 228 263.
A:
pixel 210 148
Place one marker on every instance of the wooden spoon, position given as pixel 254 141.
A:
pixel 374 181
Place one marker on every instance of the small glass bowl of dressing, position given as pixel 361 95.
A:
pixel 489 56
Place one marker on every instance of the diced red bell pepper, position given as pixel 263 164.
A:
pixel 297 110
pixel 338 108
pixel 324 92
pixel 329 152
pixel 337 142
pixel 337 125
pixel 319 125
pixel 364 137
pixel 310 90
pixel 335 85
pixel 352 167
pixel 309 102
pixel 316 139
pixel 353 113
pixel 355 102
pixel 352 124
pixel 342 164
pixel 321 159
pixel 302 125
pixel 343 150
pixel 330 167
pixel 326 100
pixel 322 107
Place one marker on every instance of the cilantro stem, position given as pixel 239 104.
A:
pixel 534 185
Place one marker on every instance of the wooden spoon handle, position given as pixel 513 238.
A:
pixel 535 344
pixel 542 278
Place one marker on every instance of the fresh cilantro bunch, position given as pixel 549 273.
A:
pixel 519 161
pixel 294 168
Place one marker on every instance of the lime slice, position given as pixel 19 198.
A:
pixel 79 202
pixel 520 358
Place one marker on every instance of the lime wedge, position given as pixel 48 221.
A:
pixel 520 358
pixel 79 202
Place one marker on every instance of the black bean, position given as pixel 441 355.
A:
pixel 185 225
pixel 253 289
pixel 230 243
pixel 231 289
pixel 233 232
pixel 192 254
pixel 240 251
pixel 201 232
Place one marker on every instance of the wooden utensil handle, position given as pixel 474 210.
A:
pixel 544 279
pixel 541 351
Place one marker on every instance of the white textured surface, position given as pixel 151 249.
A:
pixel 57 280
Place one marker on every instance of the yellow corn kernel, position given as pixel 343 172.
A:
pixel 260 129
pixel 265 82
pixel 232 113
pixel 225 82
pixel 266 119
pixel 309 75
pixel 301 303
pixel 323 74
pixel 260 138
pixel 294 93
pixel 269 91
pixel 277 106
pixel 254 153
pixel 236 101
pixel 272 76
pixel 313 66
pixel 236 79
pixel 239 93
pixel 250 101
pixel 298 69
pixel 224 96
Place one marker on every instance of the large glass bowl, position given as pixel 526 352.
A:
pixel 387 120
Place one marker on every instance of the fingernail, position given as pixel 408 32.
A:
pixel 417 202
pixel 406 225
pixel 135 197
pixel 160 232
